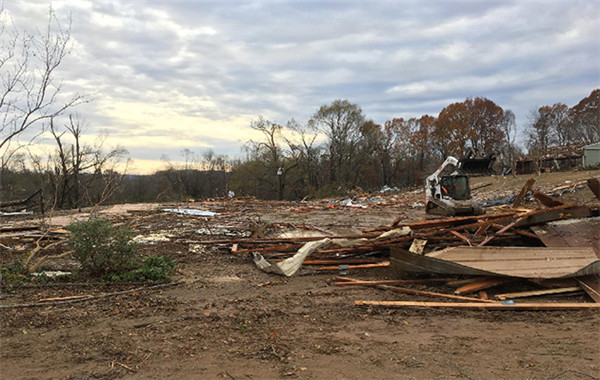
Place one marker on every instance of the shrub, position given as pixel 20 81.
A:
pixel 10 275
pixel 103 249
pixel 154 268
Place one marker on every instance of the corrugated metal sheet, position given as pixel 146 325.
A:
pixel 525 262
pixel 591 155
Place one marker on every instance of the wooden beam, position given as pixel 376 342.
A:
pixel 477 305
pixel 430 294
pixel 483 284
pixel 389 282
pixel 591 285
pixel 417 292
pixel 534 293
pixel 461 237
pixel 546 200
pixel 363 266
pixel 526 187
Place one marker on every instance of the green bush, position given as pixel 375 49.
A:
pixel 103 249
pixel 154 269
pixel 10 275
pixel 108 252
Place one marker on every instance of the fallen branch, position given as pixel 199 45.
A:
pixel 56 303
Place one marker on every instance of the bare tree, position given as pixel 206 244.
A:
pixel 82 173
pixel 29 92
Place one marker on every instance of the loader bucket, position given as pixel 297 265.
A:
pixel 474 166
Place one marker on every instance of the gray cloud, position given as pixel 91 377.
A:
pixel 224 62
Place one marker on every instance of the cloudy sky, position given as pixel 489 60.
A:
pixel 171 75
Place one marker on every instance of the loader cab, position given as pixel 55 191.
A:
pixel 455 187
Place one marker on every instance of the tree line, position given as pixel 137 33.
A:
pixel 337 150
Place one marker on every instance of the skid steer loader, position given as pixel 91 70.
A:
pixel 450 195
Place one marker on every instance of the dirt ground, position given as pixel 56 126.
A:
pixel 228 320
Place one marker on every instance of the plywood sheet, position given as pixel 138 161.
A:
pixel 571 233
pixel 525 262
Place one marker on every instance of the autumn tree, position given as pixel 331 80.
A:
pixel 585 118
pixel 451 132
pixel 486 119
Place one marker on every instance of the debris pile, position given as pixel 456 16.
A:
pixel 549 250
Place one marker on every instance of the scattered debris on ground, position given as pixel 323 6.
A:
pixel 380 288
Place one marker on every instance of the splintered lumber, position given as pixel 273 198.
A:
pixel 419 292
pixel 349 260
pixel 482 284
pixel 19 228
pixel 477 305
pixel 441 223
pixel 362 266
pixel 591 285
pixel 534 293
pixel 594 185
pixel 461 237
pixel 566 211
pixel 526 187
pixel 546 200
pixel 389 282
pixel 429 294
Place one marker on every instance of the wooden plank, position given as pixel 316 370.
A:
pixel 546 200
pixel 534 293
pixel 440 223
pixel 483 284
pixel 524 190
pixel 567 211
pixel 421 292
pixel 477 305
pixel 526 262
pixel 572 233
pixel 591 285
pixel 389 282
pixel 461 237
pixel 430 294
pixel 363 266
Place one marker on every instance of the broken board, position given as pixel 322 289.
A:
pixel 523 262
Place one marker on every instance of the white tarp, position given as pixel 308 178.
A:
pixel 190 211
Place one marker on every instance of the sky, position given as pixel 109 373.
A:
pixel 164 76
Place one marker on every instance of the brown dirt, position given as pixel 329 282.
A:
pixel 228 320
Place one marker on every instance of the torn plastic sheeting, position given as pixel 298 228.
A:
pixel 348 203
pixel 291 265
pixel 395 233
pixel 190 211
